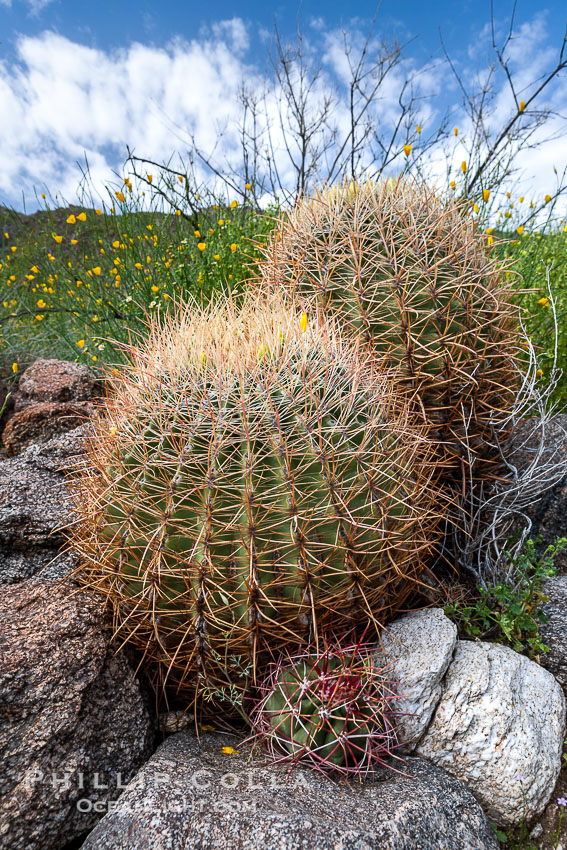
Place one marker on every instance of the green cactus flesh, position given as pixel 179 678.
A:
pixel 317 711
pixel 242 512
pixel 407 271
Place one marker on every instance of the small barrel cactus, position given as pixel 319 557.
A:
pixel 334 711
pixel 252 482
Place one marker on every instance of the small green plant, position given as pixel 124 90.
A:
pixel 520 838
pixel 511 612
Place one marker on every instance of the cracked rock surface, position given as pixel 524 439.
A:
pixel 418 649
pixel 192 796
pixel 34 505
pixel 500 717
pixel 72 716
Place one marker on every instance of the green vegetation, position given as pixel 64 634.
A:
pixel 539 257
pixel 512 613
pixel 76 282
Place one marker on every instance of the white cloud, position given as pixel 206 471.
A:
pixel 35 6
pixel 61 101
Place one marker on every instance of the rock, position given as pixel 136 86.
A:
pixel 554 632
pixel 41 422
pixel 50 380
pixel 72 716
pixel 189 796
pixel 501 716
pixel 418 648
pixel 549 514
pixel 34 504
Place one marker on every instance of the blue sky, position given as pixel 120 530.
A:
pixel 112 24
pixel 88 78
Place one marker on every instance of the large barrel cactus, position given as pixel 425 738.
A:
pixel 408 271
pixel 251 483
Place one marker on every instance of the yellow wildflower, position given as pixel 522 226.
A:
pixel 149 177
pixel 57 238
pixel 485 194
pixel 217 256
pixel 14 368
pixel 453 185
pixel 34 269
pixel 228 750
pixel 41 304
pixel 137 266
pixel 97 270
pixel 233 204
pixel 543 301
pixel 177 212
pixel 522 105
pixel 547 199
pixel 73 241
pixel 71 219
pixel 407 149
pixel 201 246
pixel 81 343
pixel 418 128
pixel 303 322
pixel 82 216
pixel 98 212
pixel 490 240
pixel 120 196
pixel 233 247
pixel 520 229
pixel 464 166
pixel 539 373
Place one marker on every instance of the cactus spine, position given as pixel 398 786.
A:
pixel 250 484
pixel 408 272
pixel 332 711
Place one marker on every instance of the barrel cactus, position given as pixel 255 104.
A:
pixel 409 272
pixel 334 711
pixel 251 481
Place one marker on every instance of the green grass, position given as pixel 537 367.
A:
pixel 537 256
pixel 72 288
